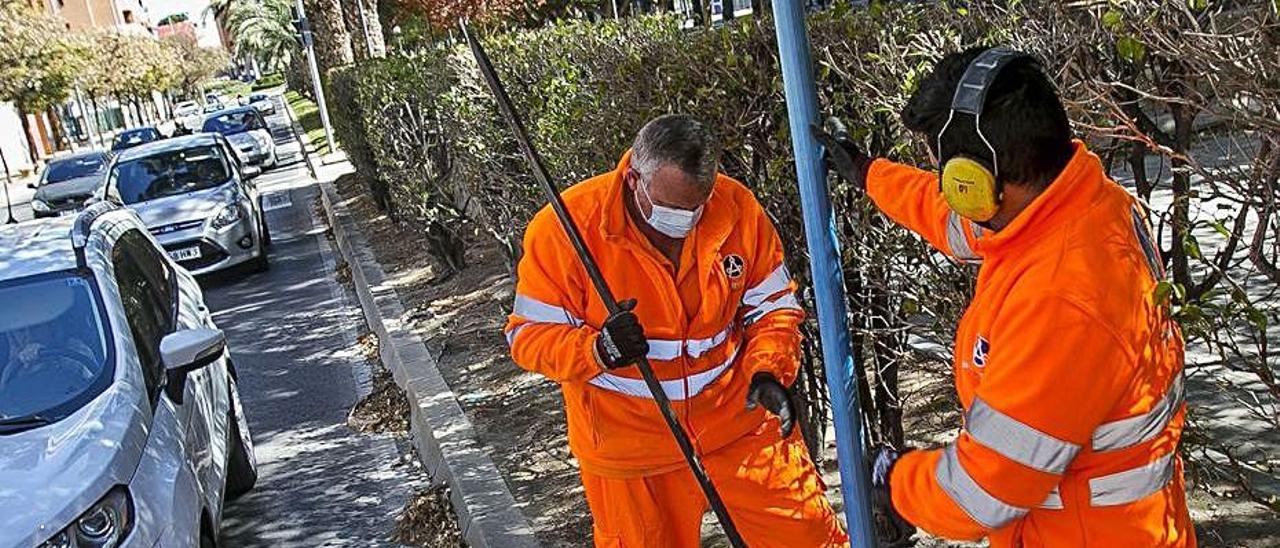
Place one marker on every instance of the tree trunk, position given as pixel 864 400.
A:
pixel 297 76
pixel 32 149
pixel 362 24
pixel 90 124
pixel 332 41
pixel 60 139
pixel 1183 118
pixel 97 120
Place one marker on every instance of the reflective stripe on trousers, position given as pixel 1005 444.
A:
pixel 674 388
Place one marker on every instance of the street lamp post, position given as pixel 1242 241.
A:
pixel 308 43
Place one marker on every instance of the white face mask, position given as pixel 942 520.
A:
pixel 672 222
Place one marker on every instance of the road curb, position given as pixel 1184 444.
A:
pixel 442 433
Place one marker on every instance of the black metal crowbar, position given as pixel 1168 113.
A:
pixel 602 288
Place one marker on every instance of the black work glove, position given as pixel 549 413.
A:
pixel 842 153
pixel 891 529
pixel 767 391
pixel 621 341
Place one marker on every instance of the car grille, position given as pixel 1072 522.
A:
pixel 209 255
pixel 175 227
pixel 70 202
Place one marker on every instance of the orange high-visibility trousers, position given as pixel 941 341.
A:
pixel 769 484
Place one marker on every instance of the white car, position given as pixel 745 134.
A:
pixel 120 418
pixel 188 116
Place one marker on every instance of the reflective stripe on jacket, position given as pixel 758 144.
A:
pixel 1067 368
pixel 726 313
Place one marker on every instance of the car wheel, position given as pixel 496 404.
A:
pixel 266 232
pixel 260 263
pixel 207 539
pixel 242 470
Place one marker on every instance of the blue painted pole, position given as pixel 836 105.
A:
pixel 824 263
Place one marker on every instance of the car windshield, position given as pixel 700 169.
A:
pixel 53 349
pixel 170 173
pixel 72 168
pixel 231 123
pixel 136 137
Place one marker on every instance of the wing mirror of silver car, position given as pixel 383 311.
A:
pixel 250 172
pixel 186 351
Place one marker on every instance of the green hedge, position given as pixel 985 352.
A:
pixel 269 80
pixel 424 131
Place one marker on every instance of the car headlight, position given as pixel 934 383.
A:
pixel 228 216
pixel 39 205
pixel 103 525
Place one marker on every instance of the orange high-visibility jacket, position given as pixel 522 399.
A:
pixel 727 313
pixel 1068 368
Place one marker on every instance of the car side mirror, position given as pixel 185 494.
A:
pixel 250 172
pixel 186 351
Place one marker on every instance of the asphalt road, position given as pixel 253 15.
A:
pixel 292 332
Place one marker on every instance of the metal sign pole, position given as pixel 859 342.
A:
pixel 824 262
pixel 308 43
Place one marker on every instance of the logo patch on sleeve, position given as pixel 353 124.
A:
pixel 980 349
pixel 733 266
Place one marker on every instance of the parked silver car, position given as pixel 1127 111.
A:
pixel 67 182
pixel 263 102
pixel 197 198
pixel 120 419
pixel 247 132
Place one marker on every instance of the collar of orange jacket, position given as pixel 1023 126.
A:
pixel 1064 199
pixel 718 217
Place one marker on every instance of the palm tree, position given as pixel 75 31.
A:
pixel 263 30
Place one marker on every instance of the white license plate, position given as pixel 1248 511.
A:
pixel 69 212
pixel 276 200
pixel 185 254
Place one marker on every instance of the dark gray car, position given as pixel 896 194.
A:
pixel 67 182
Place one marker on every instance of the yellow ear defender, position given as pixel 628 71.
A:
pixel 970 188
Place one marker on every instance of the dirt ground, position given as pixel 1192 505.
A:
pixel 519 416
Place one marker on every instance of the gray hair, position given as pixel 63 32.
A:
pixel 678 140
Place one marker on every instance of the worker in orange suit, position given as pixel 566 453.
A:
pixel 709 301
pixel 1067 363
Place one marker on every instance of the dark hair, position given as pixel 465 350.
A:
pixel 678 140
pixel 1022 118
